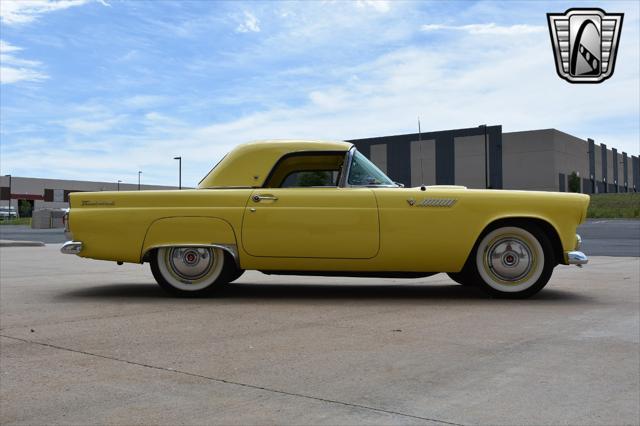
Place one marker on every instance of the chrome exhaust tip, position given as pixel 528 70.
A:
pixel 71 247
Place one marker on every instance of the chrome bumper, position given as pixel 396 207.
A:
pixel 71 247
pixel 577 258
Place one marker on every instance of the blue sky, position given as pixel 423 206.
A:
pixel 98 90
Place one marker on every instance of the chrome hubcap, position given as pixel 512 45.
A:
pixel 191 263
pixel 510 259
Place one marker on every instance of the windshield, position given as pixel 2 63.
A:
pixel 364 173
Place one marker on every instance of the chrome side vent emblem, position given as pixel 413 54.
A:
pixel 432 202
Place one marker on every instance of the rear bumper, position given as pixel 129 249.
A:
pixel 577 258
pixel 71 247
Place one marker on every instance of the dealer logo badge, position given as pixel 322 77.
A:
pixel 585 43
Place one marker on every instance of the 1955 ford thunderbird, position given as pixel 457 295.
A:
pixel 322 208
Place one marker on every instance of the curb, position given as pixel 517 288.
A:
pixel 10 243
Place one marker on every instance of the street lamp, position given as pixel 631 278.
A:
pixel 119 184
pixel 486 159
pixel 139 173
pixel 179 171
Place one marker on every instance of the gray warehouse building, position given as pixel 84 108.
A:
pixel 27 194
pixel 480 157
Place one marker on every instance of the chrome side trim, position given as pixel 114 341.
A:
pixel 232 249
pixel 71 247
pixel 577 258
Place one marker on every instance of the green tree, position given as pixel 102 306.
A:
pixel 574 182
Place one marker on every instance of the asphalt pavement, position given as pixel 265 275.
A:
pixel 610 237
pixel 600 237
pixel 90 342
pixel 25 233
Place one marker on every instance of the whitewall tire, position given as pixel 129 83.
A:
pixel 192 271
pixel 511 261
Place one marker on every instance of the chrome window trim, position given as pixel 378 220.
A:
pixel 300 153
pixel 344 179
pixel 346 168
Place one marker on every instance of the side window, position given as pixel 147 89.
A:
pixel 306 170
pixel 315 178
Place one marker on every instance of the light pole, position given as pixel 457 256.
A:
pixel 179 171
pixel 139 173
pixel 119 184
pixel 486 159
pixel 9 176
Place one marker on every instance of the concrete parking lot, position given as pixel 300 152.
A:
pixel 87 342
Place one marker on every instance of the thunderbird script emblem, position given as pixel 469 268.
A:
pixel 585 43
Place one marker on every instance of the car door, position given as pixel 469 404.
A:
pixel 311 221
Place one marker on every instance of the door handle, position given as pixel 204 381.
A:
pixel 257 198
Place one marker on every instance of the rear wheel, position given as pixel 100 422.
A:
pixel 511 262
pixel 192 271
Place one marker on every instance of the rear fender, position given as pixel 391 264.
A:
pixel 190 231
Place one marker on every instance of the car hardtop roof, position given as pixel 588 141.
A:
pixel 298 144
pixel 248 164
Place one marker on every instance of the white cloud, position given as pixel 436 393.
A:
pixel 382 6
pixel 490 28
pixel 144 101
pixel 14 69
pixel 249 24
pixel 15 12
pixel 9 75
pixel 91 125
pixel 8 47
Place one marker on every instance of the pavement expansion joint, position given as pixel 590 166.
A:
pixel 230 382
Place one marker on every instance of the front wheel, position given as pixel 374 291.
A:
pixel 512 262
pixel 192 271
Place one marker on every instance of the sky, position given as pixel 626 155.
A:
pixel 101 89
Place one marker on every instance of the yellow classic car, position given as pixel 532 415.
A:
pixel 322 208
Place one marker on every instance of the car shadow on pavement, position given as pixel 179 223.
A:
pixel 239 292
